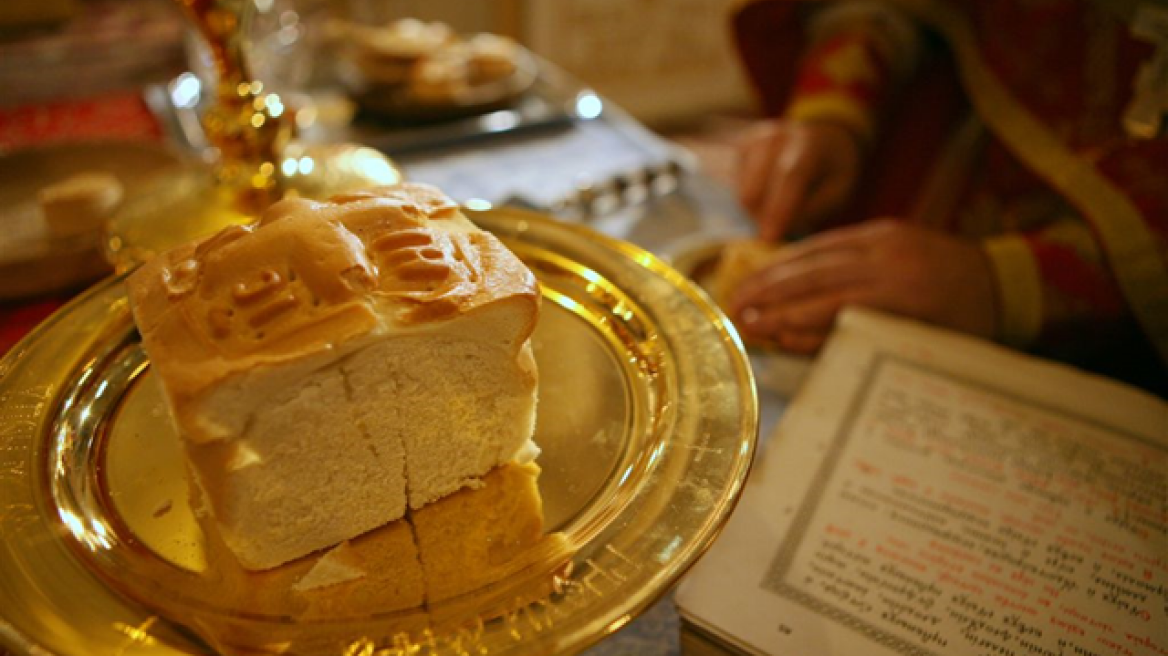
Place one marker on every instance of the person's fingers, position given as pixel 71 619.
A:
pixel 755 158
pixel 766 324
pixel 814 314
pixel 825 197
pixel 787 281
pixel 762 322
pixel 802 343
pixel 753 171
pixel 859 238
pixel 784 196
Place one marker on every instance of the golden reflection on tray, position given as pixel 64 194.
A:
pixel 647 421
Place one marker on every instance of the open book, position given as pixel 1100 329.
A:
pixel 929 493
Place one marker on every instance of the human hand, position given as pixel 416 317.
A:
pixel 886 265
pixel 795 173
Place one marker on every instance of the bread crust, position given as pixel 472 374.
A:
pixel 312 281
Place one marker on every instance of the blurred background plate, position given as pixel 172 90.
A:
pixel 648 421
pixel 543 108
pixel 401 105
pixel 31 261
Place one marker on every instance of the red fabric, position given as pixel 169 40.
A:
pixel 18 319
pixel 1026 45
pixel 770 41
pixel 1080 92
pixel 816 78
pixel 123 115
pixel 1020 40
pixel 1141 169
pixel 911 138
pixel 1082 99
pixel 1064 270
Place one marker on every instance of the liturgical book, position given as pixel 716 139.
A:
pixel 927 493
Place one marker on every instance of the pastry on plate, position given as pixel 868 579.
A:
pixel 79 204
pixel 411 68
pixel 492 57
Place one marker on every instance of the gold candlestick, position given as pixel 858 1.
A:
pixel 247 126
pixel 254 157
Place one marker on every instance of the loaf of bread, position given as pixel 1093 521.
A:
pixel 477 554
pixel 338 362
pixel 458 544
pixel 473 538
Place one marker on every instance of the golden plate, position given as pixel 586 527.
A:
pixel 648 422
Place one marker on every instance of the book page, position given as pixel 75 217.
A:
pixel 917 507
